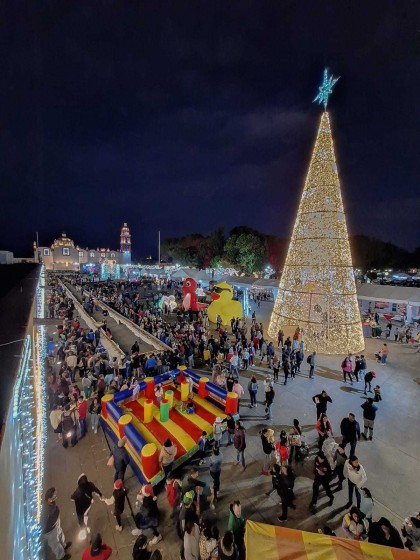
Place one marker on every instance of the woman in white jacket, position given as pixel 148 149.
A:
pixel 356 477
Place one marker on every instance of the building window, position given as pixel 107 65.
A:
pixel 112 255
pixel 92 254
pixel 81 254
pixel 66 252
pixel 103 255
pixel 46 252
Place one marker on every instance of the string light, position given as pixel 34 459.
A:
pixel 29 427
pixel 317 291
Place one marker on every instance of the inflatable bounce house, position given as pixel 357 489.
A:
pixel 150 417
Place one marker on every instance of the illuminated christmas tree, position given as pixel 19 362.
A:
pixel 317 291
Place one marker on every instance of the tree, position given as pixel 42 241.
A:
pixel 317 291
pixel 246 251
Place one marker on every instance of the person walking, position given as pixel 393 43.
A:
pixel 356 477
pixel 295 438
pixel 350 430
pixel 191 539
pixel 118 499
pixel 384 353
pixel 324 429
pixel 239 442
pixel 230 424
pixel 83 498
pixel 94 411
pixel 236 524
pixel 368 380
pixel 285 484
pixel 321 402
pixel 167 456
pixel 217 432
pixel 369 415
pixel 253 390
pixel 269 399
pixel 340 460
pixel 121 459
pixel 347 369
pixel 366 505
pixel 82 409
pixel 69 426
pixel 281 450
pixel 97 550
pixel 215 470
pixel 312 361
pixel 239 390
pixel 267 440
pixel 52 532
pixel 322 471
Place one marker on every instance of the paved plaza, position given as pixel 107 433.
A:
pixel 391 460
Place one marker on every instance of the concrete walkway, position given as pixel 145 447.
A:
pixel 391 460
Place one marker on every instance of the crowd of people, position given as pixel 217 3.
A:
pixel 81 372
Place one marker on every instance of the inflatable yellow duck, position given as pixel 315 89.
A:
pixel 223 304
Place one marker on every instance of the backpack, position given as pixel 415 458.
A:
pixel 308 359
pixel 254 387
pixel 343 364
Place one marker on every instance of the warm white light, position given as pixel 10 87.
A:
pixel 317 290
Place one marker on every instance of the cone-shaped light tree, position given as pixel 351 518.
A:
pixel 317 290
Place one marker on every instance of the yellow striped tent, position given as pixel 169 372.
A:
pixel 268 542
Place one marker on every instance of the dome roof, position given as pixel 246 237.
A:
pixel 62 241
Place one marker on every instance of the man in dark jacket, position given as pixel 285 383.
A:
pixel 369 415
pixel 368 380
pixel 121 459
pixel 51 527
pixel 322 471
pixel 321 401
pixel 350 430
pixel 239 443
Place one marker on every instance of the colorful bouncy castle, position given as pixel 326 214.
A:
pixel 148 419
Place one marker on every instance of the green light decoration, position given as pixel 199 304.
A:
pixel 325 89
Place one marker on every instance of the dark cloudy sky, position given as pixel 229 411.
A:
pixel 182 116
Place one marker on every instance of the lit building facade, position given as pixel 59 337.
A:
pixel 65 255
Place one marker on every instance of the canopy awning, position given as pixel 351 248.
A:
pixel 270 542
pixel 391 294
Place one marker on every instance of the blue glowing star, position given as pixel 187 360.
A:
pixel 325 89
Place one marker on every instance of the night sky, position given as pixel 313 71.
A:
pixel 182 116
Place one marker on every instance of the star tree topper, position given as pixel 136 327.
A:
pixel 325 89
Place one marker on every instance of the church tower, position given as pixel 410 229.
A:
pixel 125 244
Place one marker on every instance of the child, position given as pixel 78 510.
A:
pixel 118 499
pixel 202 445
pixel 377 393
pixel 159 393
pixel 173 493
pixel 190 386
pixel 275 473
pixel 366 505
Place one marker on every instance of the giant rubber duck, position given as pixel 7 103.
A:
pixel 189 293
pixel 223 304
